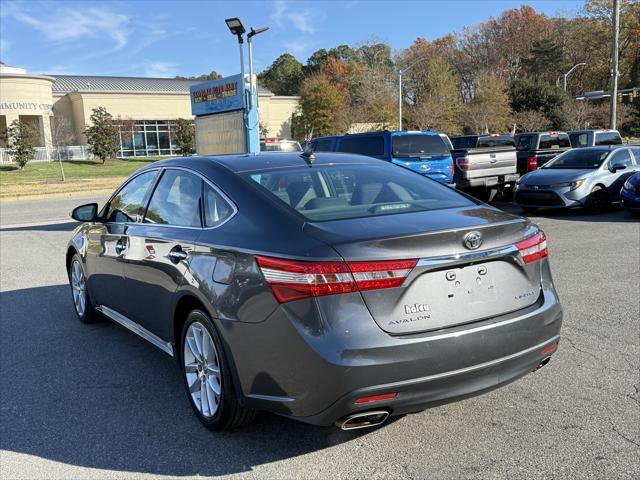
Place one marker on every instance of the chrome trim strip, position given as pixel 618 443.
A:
pixel 434 262
pixel 137 329
pixel 478 366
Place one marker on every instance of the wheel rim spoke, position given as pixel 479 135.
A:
pixel 202 369
pixel 78 288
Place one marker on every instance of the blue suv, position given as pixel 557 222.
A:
pixel 423 151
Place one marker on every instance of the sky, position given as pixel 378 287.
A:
pixel 163 38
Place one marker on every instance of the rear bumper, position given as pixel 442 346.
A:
pixel 446 387
pixel 313 366
pixel 492 181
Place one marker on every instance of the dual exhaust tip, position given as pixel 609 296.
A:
pixel 363 420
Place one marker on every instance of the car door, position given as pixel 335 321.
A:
pixel 107 241
pixel 159 249
pixel 616 179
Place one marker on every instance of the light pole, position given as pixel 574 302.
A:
pixel 252 33
pixel 569 73
pixel 237 29
pixel 400 89
pixel 614 64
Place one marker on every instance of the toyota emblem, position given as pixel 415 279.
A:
pixel 472 240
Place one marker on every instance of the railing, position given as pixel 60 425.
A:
pixel 52 154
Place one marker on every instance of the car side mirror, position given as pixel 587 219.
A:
pixel 617 166
pixel 85 213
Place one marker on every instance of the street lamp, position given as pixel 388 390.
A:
pixel 237 29
pixel 250 36
pixel 569 73
pixel 400 89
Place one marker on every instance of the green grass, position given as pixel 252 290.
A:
pixel 85 169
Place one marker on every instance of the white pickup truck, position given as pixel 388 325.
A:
pixel 484 163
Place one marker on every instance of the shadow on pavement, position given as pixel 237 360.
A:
pixel 98 396
pixel 52 227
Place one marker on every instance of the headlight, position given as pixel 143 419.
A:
pixel 629 186
pixel 572 185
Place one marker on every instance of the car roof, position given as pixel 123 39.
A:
pixel 270 160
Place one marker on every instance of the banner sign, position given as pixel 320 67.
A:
pixel 217 96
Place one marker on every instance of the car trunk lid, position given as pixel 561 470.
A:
pixel 450 284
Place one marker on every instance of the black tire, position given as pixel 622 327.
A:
pixel 88 313
pixel 229 414
pixel 598 200
pixel 530 209
pixel 482 194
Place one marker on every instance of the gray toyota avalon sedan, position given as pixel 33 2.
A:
pixel 336 289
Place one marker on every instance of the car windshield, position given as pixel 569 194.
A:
pixel 335 192
pixel 578 159
pixel 418 145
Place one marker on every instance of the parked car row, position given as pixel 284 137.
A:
pixel 481 164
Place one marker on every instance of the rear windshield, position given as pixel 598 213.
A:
pixel 280 147
pixel 335 192
pixel 495 141
pixel 417 145
pixel 578 159
pixel 554 140
pixel 608 138
pixel 464 142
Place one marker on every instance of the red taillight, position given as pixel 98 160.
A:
pixel 292 279
pixel 375 398
pixel 550 348
pixel 532 163
pixel 533 248
pixel 462 163
pixel 383 274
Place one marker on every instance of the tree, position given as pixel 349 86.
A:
pixel 545 61
pixel 531 121
pixel 322 109
pixel 213 75
pixel 22 142
pixel 185 136
pixel 284 75
pixel 61 136
pixel 102 134
pixel 544 98
pixel 490 106
pixel 433 95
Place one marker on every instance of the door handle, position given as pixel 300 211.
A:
pixel 177 254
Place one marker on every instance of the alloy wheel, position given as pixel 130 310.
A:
pixel 202 369
pixel 78 288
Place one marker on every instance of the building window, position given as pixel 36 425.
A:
pixel 144 138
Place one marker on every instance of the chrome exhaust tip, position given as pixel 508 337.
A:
pixel 542 363
pixel 362 420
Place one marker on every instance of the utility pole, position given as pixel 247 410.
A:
pixel 614 64
pixel 399 99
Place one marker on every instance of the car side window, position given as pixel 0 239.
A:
pixel 579 139
pixel 128 204
pixel 370 145
pixel 176 200
pixel 623 157
pixel 323 145
pixel 216 208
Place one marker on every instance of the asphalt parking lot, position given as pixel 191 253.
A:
pixel 95 401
